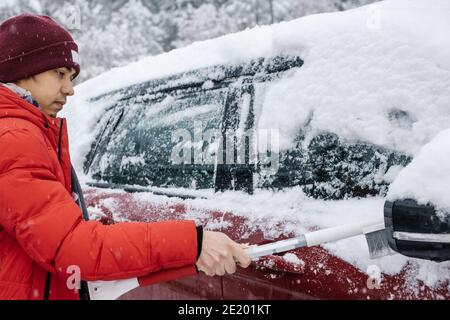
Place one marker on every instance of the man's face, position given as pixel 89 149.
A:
pixel 50 89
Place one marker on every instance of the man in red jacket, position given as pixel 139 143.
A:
pixel 42 233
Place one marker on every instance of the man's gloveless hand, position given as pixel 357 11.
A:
pixel 220 254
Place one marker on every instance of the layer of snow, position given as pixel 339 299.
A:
pixel 292 258
pixel 132 161
pixel 385 84
pixel 427 178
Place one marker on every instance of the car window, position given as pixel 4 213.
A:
pixel 138 143
pixel 327 167
pixel 167 132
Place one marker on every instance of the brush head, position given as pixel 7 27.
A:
pixel 377 241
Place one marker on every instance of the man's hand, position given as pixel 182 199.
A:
pixel 220 254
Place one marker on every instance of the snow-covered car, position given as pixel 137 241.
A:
pixel 272 132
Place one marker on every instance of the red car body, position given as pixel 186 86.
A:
pixel 321 276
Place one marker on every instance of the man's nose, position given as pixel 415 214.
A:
pixel 67 88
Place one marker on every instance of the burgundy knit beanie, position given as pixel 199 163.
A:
pixel 31 44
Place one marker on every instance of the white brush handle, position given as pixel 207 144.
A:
pixel 314 238
pixel 275 247
pixel 338 233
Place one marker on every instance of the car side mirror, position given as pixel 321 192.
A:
pixel 417 230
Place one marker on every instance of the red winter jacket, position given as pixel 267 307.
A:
pixel 42 232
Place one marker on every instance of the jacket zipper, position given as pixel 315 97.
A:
pixel 59 140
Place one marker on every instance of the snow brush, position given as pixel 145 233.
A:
pixel 374 231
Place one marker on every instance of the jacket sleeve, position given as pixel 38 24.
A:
pixel 39 212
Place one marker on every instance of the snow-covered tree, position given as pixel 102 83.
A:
pixel 130 33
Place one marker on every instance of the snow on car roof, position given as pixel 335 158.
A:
pixel 378 74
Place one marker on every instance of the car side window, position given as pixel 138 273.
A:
pixel 142 142
pixel 166 133
pixel 327 167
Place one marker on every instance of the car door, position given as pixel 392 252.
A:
pixel 193 115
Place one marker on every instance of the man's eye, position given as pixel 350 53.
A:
pixel 61 74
